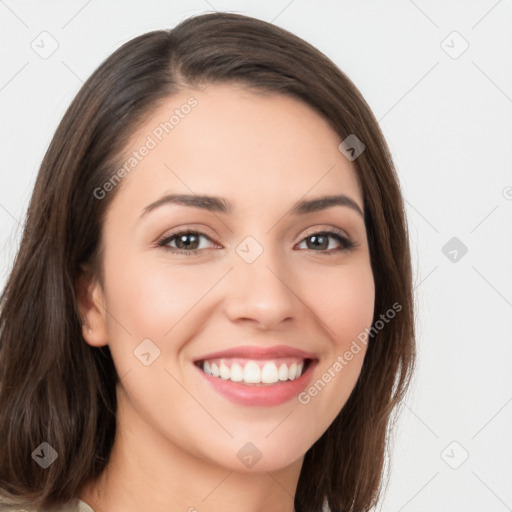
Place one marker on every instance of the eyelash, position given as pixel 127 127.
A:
pixel 346 243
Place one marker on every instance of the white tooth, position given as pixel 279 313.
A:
pixel 206 368
pixel 292 371
pixel 237 372
pixel 252 373
pixel 215 370
pixel 269 373
pixel 283 372
pixel 299 370
pixel 224 371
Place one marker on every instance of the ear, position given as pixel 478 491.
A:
pixel 93 309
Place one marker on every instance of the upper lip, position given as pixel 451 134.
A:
pixel 258 352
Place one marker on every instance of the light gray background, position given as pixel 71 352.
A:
pixel 447 118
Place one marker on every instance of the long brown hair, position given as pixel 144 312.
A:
pixel 56 388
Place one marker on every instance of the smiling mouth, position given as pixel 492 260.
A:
pixel 255 372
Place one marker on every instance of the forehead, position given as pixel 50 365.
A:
pixel 230 142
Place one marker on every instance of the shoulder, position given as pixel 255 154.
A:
pixel 74 506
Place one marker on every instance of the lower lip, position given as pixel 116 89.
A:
pixel 257 395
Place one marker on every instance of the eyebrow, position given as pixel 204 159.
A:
pixel 220 205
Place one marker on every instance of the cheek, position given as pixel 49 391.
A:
pixel 152 299
pixel 157 301
pixel 346 308
pixel 345 303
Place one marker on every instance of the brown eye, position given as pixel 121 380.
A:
pixel 186 242
pixel 319 242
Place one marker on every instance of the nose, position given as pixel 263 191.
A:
pixel 262 292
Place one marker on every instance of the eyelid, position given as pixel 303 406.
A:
pixel 346 241
pixel 322 229
pixel 166 239
pixel 200 229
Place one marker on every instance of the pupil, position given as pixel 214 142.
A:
pixel 316 238
pixel 181 243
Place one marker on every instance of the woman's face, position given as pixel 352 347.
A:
pixel 252 272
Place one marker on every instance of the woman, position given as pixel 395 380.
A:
pixel 211 307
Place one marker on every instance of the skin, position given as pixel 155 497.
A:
pixel 177 439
